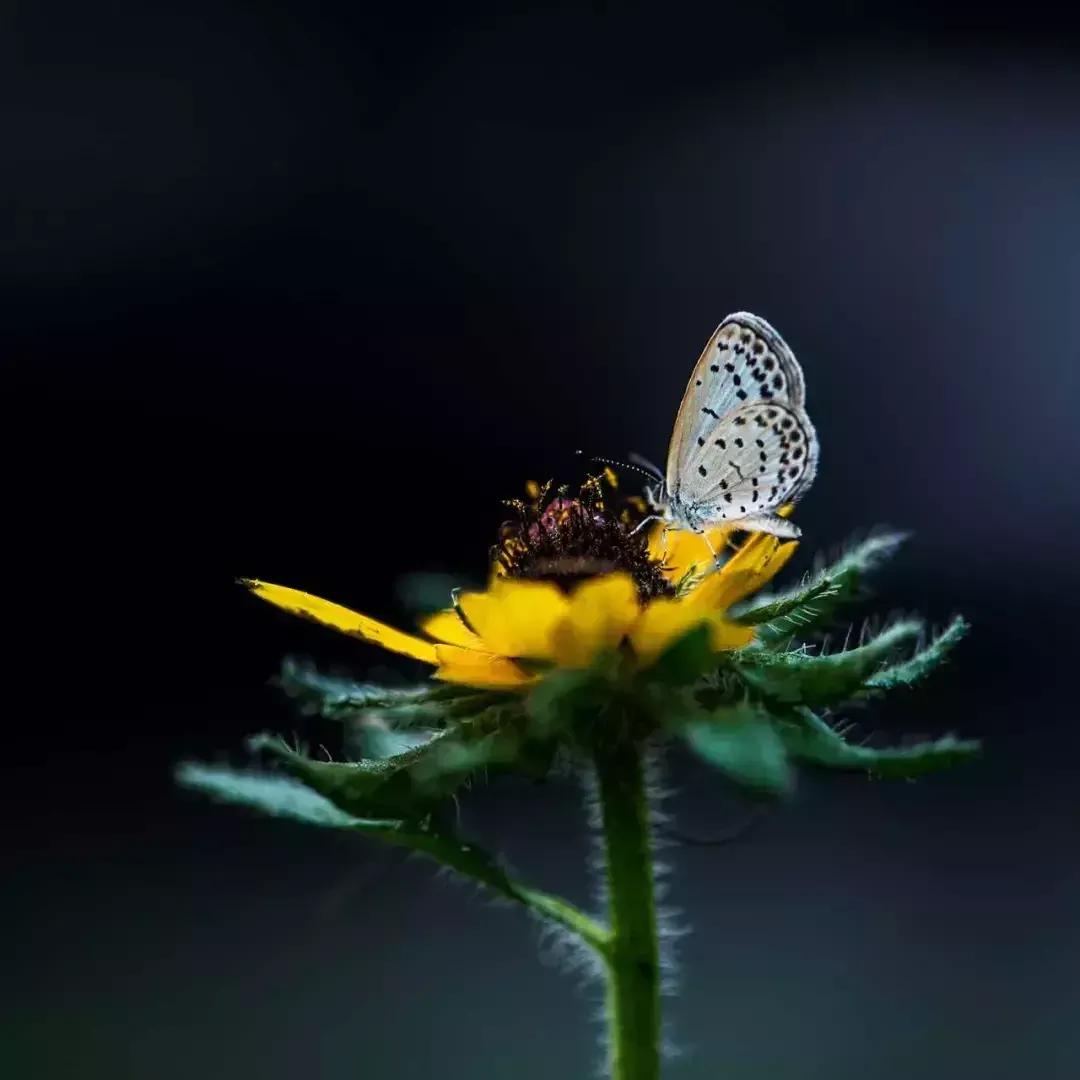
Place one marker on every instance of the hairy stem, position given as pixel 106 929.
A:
pixel 632 954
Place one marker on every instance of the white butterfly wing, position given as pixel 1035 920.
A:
pixel 749 464
pixel 742 445
pixel 744 360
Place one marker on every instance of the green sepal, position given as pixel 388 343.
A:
pixel 917 667
pixel 567 698
pixel 275 794
pixel 510 747
pixel 398 787
pixel 741 741
pixel 722 687
pixel 816 601
pixel 369 736
pixel 429 705
pixel 283 796
pixel 801 678
pixel 783 615
pixel 809 738
pixel 408 784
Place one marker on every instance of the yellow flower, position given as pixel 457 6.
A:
pixel 509 634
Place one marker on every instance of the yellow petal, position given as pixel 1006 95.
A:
pixel 601 613
pixel 761 565
pixel 342 619
pixel 664 621
pixel 752 567
pixel 472 668
pixel 448 626
pixel 660 624
pixel 722 589
pixel 753 554
pixel 726 635
pixel 516 618
pixel 777 562
pixel 681 549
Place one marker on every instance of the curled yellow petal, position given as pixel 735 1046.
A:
pixel 754 554
pixel 448 626
pixel 751 568
pixel 777 562
pixel 682 550
pixel 600 615
pixel 516 618
pixel 343 620
pixel 722 589
pixel 481 669
pixel 762 564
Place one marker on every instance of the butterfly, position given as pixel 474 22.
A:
pixel 742 445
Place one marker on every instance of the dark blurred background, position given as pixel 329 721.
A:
pixel 301 291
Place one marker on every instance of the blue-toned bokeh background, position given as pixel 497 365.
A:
pixel 302 291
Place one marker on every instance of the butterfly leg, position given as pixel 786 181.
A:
pixel 645 521
pixel 708 544
pixel 663 536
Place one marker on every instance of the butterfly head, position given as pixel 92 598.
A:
pixel 662 507
pixel 669 510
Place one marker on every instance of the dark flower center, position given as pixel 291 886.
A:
pixel 567 540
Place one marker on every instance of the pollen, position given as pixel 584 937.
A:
pixel 567 539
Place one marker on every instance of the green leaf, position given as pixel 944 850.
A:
pixel 741 742
pixel 923 662
pixel 816 601
pixel 809 738
pixel 800 678
pixel 282 796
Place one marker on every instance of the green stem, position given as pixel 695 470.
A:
pixel 632 954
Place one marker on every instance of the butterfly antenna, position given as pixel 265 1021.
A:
pixel 645 463
pixel 651 471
